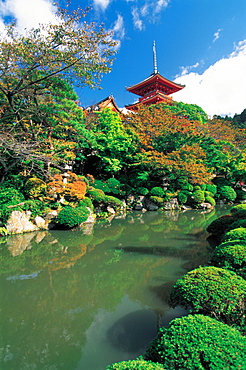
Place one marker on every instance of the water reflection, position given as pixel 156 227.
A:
pixel 83 299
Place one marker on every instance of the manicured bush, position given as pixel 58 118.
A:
pixel 197 187
pixel 240 214
pixel 238 207
pixel 197 197
pixel 157 200
pixel 210 200
pixel 197 342
pixel 37 207
pixel 96 194
pixel 114 186
pixel 236 224
pixel 211 188
pixel 11 196
pixel 235 234
pixel 212 291
pixel 98 184
pixel 138 364
pixel 157 191
pixel 219 226
pixel 115 202
pixel 182 198
pixel 35 187
pixel 142 191
pixel 231 256
pixel 70 217
pixel 227 193
pixel 86 202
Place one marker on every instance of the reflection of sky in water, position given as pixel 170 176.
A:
pixel 121 334
pixel 23 277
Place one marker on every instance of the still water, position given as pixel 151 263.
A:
pixel 83 299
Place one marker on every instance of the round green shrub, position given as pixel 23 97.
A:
pixel 11 196
pixel 240 214
pixel 182 198
pixel 114 185
pixel 86 202
pixel 70 217
pixel 36 206
pixel 211 188
pixel 219 226
pixel 198 197
pixel 97 195
pixel 210 200
pixel 186 186
pixel 157 200
pixel 157 191
pixel 112 201
pixel 197 187
pixel 231 257
pixel 235 234
pixel 138 364
pixel 212 291
pixel 197 342
pixel 236 224
pixel 238 207
pixel 35 187
pixel 142 191
pixel 101 185
pixel 227 193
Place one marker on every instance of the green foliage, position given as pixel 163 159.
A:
pixel 237 224
pixel 238 207
pixel 86 202
pixel 37 207
pixel 10 196
pixel 231 256
pixel 102 185
pixel 142 191
pixel 210 200
pixel 115 202
pixel 239 214
pixel 197 342
pixel 219 226
pixel 191 111
pixel 70 217
pixel 157 191
pixel 182 197
pixel 138 364
pixel 212 291
pixel 227 193
pixel 34 187
pixel 241 195
pixel 211 188
pixel 235 234
pixel 96 195
pixel 197 197
pixel 157 200
pixel 114 185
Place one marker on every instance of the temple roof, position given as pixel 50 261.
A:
pixel 157 97
pixel 105 103
pixel 157 81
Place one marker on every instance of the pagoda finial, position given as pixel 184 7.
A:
pixel 154 58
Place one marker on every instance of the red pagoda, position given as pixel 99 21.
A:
pixel 154 89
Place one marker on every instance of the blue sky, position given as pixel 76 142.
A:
pixel 200 43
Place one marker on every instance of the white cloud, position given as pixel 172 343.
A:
pixel 28 13
pixel 138 23
pixel 101 4
pixel 149 12
pixel 217 34
pixel 118 27
pixel 220 89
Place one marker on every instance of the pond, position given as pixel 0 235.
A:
pixel 85 298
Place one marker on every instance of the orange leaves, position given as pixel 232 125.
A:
pixel 69 185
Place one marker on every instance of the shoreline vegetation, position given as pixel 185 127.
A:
pixel 62 165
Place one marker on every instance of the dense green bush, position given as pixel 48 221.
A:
pixel 114 186
pixel 86 202
pixel 227 193
pixel 197 342
pixel 210 200
pixel 142 191
pixel 37 207
pixel 157 200
pixel 211 188
pixel 35 188
pixel 238 207
pixel 219 226
pixel 231 256
pixel 96 195
pixel 182 198
pixel 10 196
pixel 70 217
pixel 115 202
pixel 101 185
pixel 239 214
pixel 236 224
pixel 138 364
pixel 197 197
pixel 235 234
pixel 157 191
pixel 241 195
pixel 212 291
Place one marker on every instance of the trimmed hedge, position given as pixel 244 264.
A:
pixel 212 291
pixel 235 234
pixel 70 217
pixel 138 364
pixel 197 342
pixel 231 256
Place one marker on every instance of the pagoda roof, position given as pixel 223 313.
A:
pixel 158 97
pixel 155 79
pixel 108 102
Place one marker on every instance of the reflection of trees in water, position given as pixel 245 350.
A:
pixel 78 274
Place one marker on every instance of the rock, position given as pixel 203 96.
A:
pixel 205 205
pixel 172 204
pixel 19 223
pixel 18 243
pixel 150 206
pixel 41 223
pixel 110 210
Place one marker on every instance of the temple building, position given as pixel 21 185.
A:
pixel 154 89
pixel 108 102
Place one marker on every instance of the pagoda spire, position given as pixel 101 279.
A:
pixel 154 59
